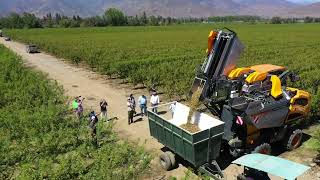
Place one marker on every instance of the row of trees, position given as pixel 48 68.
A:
pixel 115 17
pixel 111 17
pixel 279 20
pixel 17 21
pixel 234 18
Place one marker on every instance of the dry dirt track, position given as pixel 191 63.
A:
pixel 80 81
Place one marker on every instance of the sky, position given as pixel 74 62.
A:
pixel 304 1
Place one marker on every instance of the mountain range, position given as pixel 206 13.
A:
pixel 173 8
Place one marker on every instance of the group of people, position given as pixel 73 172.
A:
pixel 142 101
pixel 77 105
pixel 93 116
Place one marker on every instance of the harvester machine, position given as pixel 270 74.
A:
pixel 254 102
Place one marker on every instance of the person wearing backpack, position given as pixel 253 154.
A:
pixel 93 120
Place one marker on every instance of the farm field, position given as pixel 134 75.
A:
pixel 39 139
pixel 168 56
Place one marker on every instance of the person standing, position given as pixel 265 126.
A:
pixel 103 109
pixel 154 101
pixel 172 108
pixel 79 110
pixel 75 104
pixel 133 101
pixel 143 105
pixel 93 120
pixel 130 110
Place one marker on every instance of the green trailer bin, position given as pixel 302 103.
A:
pixel 200 148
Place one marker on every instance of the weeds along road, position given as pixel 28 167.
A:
pixel 79 81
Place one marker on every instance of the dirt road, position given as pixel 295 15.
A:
pixel 80 81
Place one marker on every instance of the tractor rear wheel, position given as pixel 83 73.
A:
pixel 264 148
pixel 172 159
pixel 165 161
pixel 293 140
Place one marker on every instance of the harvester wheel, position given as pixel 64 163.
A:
pixel 172 159
pixel 294 140
pixel 165 161
pixel 263 149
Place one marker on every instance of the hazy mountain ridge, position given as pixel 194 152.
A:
pixel 174 8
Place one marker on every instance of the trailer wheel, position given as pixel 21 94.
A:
pixel 263 149
pixel 294 140
pixel 165 161
pixel 172 159
pixel 316 159
pixel 241 177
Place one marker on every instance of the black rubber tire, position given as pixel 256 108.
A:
pixel 172 157
pixel 293 140
pixel 165 161
pixel 264 148
pixel 241 177
pixel 316 159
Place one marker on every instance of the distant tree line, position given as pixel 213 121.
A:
pixel 115 17
pixel 234 18
pixel 111 17
pixel 279 20
pixel 18 21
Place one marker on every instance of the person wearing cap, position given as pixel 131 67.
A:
pixel 154 101
pixel 130 107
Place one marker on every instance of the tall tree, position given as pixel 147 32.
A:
pixel 144 19
pixel 115 17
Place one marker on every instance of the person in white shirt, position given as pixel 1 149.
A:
pixel 172 108
pixel 154 101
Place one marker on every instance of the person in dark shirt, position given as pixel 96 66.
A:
pixel 130 108
pixel 93 120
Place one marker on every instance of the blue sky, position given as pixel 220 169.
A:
pixel 304 1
